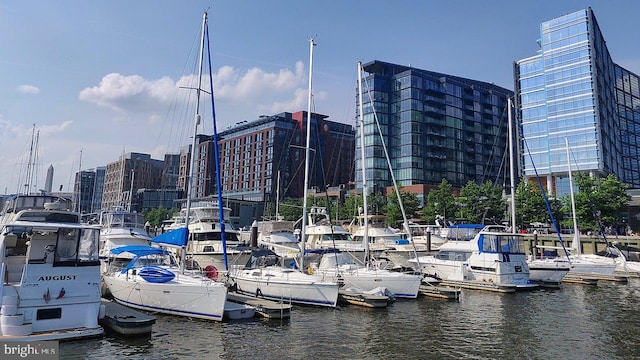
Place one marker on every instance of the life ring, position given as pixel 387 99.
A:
pixel 212 272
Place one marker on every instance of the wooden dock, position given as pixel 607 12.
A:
pixel 479 285
pixel 263 307
pixel 126 321
pixel 591 279
pixel 440 292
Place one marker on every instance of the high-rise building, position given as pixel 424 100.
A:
pixel 255 154
pixel 171 171
pixel 572 91
pixel 98 189
pixel 83 191
pixel 435 126
pixel 125 176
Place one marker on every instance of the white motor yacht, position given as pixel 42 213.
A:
pixel 51 287
pixel 492 255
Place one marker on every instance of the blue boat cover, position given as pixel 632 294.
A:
pixel 177 237
pixel 156 274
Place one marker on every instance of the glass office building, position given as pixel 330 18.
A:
pixel 435 126
pixel 571 91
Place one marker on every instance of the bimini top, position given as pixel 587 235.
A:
pixel 138 251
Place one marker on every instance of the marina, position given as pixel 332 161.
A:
pixel 572 322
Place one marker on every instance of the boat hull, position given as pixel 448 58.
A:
pixel 548 271
pixel 490 271
pixel 198 298
pixel 287 285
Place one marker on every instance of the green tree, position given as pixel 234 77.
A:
pixel 481 203
pixel 156 216
pixel 409 202
pixel 440 202
pixel 531 207
pixel 291 209
pixel 349 209
pixel 603 199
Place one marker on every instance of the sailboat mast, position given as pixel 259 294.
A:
pixel 511 167
pixel 306 159
pixel 28 176
pixel 364 172
pixel 194 143
pixel 575 244
pixel 278 197
pixel 216 151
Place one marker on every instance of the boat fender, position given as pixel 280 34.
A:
pixel 309 270
pixel 102 312
pixel 212 272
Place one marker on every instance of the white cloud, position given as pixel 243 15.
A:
pixel 255 87
pixel 129 93
pixel 28 89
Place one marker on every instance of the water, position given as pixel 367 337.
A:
pixel 574 322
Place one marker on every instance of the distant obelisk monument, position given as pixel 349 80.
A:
pixel 49 180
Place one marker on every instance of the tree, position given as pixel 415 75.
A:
pixel 440 202
pixel 531 206
pixel 156 216
pixel 599 201
pixel 409 202
pixel 481 203
pixel 291 209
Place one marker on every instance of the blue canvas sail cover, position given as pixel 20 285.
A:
pixel 177 237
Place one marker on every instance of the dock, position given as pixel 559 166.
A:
pixel 237 311
pixel 590 279
pixel 440 292
pixel 126 321
pixel 363 299
pixel 263 307
pixel 479 285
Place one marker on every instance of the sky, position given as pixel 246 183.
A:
pixel 100 78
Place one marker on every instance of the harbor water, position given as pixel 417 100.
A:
pixel 573 322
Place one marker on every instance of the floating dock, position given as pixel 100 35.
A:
pixel 479 285
pixel 440 292
pixel 263 307
pixel 363 299
pixel 237 311
pixel 589 279
pixel 126 321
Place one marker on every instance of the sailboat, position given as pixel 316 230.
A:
pixel 154 280
pixel 367 276
pixel 265 276
pixel 590 264
pixel 542 270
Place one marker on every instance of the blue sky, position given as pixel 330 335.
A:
pixel 99 78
